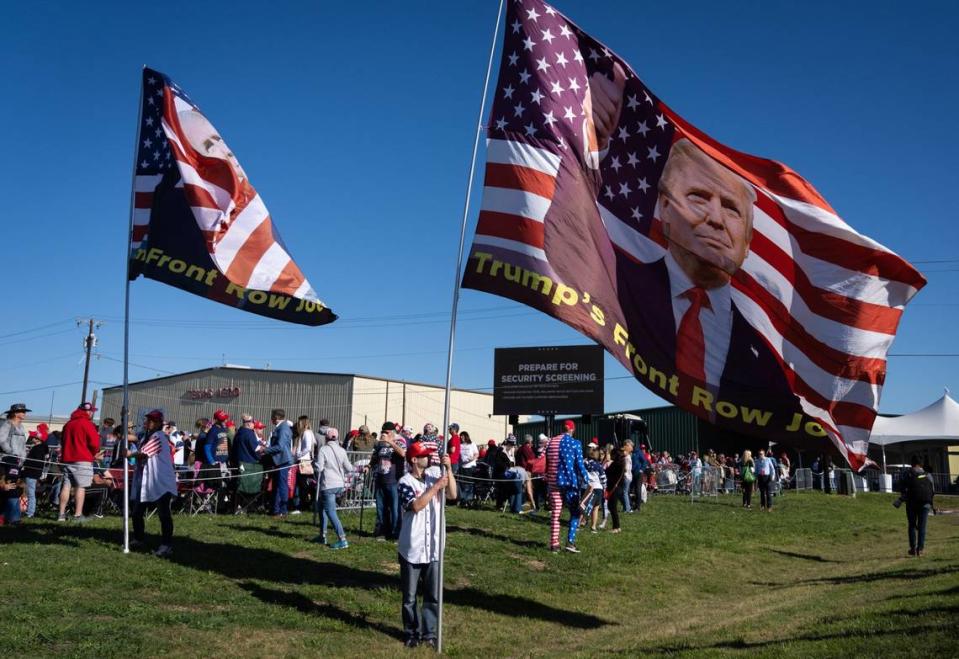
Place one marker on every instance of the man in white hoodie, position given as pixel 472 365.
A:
pixel 333 468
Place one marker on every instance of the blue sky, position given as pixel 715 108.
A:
pixel 355 121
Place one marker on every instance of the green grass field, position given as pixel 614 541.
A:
pixel 821 576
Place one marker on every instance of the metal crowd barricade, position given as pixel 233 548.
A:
pixel 803 479
pixel 666 478
pixel 845 483
pixel 358 493
pixel 705 483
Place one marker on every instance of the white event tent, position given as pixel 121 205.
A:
pixel 938 421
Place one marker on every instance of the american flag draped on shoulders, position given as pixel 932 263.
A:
pixel 198 222
pixel 722 281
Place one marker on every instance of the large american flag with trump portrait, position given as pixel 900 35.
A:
pixel 733 289
pixel 198 222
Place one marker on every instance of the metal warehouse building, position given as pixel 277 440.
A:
pixel 347 400
pixel 669 429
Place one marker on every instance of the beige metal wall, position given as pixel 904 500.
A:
pixel 314 394
pixel 415 404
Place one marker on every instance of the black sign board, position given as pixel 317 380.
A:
pixel 553 380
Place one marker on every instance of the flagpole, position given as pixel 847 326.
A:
pixel 125 410
pixel 456 301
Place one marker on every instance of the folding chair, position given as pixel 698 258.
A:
pixel 203 499
pixel 484 490
pixel 249 488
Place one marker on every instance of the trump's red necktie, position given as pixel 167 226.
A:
pixel 690 344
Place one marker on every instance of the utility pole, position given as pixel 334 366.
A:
pixel 88 344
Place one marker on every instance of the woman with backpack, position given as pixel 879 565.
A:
pixel 749 479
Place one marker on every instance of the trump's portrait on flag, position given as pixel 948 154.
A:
pixel 676 303
pixel 723 281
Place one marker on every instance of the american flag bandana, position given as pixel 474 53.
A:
pixel 607 210
pixel 199 224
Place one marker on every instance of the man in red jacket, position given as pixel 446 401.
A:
pixel 80 442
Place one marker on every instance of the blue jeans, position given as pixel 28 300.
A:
pixel 917 516
pixel 31 496
pixel 388 510
pixel 516 498
pixel 55 492
pixel 329 512
pixel 422 579
pixel 11 508
pixel 281 490
pixel 466 486
pixel 624 494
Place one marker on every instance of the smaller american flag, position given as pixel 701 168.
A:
pixel 151 446
pixel 177 141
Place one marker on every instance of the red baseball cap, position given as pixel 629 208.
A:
pixel 87 407
pixel 258 425
pixel 220 415
pixel 419 450
pixel 154 415
pixel 569 425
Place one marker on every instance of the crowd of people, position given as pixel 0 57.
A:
pixel 409 473
pixel 301 468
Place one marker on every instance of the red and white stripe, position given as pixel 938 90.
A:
pixel 151 446
pixel 235 222
pixel 519 188
pixel 826 299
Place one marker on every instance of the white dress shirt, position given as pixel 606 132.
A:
pixel 717 320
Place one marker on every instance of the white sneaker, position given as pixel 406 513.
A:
pixel 297 512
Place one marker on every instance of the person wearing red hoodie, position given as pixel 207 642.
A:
pixel 79 444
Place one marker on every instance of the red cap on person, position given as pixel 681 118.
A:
pixel 569 425
pixel 154 415
pixel 258 425
pixel 87 407
pixel 220 415
pixel 419 450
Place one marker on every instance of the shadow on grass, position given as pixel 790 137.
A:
pixel 243 565
pixel 305 605
pixel 870 577
pixel 483 533
pixel 805 557
pixel 271 531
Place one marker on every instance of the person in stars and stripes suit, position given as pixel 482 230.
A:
pixel 566 477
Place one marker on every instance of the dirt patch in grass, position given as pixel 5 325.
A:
pixel 390 567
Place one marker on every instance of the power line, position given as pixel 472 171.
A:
pixel 35 329
pixel 34 338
